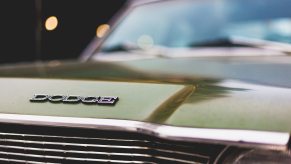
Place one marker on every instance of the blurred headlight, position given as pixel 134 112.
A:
pixel 260 156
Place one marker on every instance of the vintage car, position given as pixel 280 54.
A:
pixel 172 82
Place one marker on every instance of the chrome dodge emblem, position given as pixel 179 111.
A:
pixel 99 100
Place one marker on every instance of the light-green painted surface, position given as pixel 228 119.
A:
pixel 252 93
pixel 136 100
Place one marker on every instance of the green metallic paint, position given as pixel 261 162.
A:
pixel 236 105
pixel 169 107
pixel 250 93
pixel 136 101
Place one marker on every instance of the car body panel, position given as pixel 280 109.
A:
pixel 202 97
pixel 141 102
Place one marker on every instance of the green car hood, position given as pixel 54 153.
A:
pixel 187 94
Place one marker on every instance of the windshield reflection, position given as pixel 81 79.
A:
pixel 176 24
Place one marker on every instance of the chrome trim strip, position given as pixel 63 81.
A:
pixel 87 145
pixel 23 161
pixel 70 137
pixel 249 138
pixel 69 158
pixel 177 160
pixel 72 144
pixel 96 153
pixel 75 151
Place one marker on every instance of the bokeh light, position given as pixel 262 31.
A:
pixel 102 30
pixel 51 23
pixel 145 42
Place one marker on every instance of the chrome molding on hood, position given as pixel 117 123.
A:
pixel 248 138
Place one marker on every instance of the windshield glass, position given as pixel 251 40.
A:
pixel 184 23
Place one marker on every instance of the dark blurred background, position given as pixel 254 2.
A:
pixel 23 22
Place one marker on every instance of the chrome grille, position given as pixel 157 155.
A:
pixel 40 144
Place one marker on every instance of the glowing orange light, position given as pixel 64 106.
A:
pixel 102 30
pixel 51 23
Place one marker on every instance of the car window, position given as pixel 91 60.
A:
pixel 184 23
